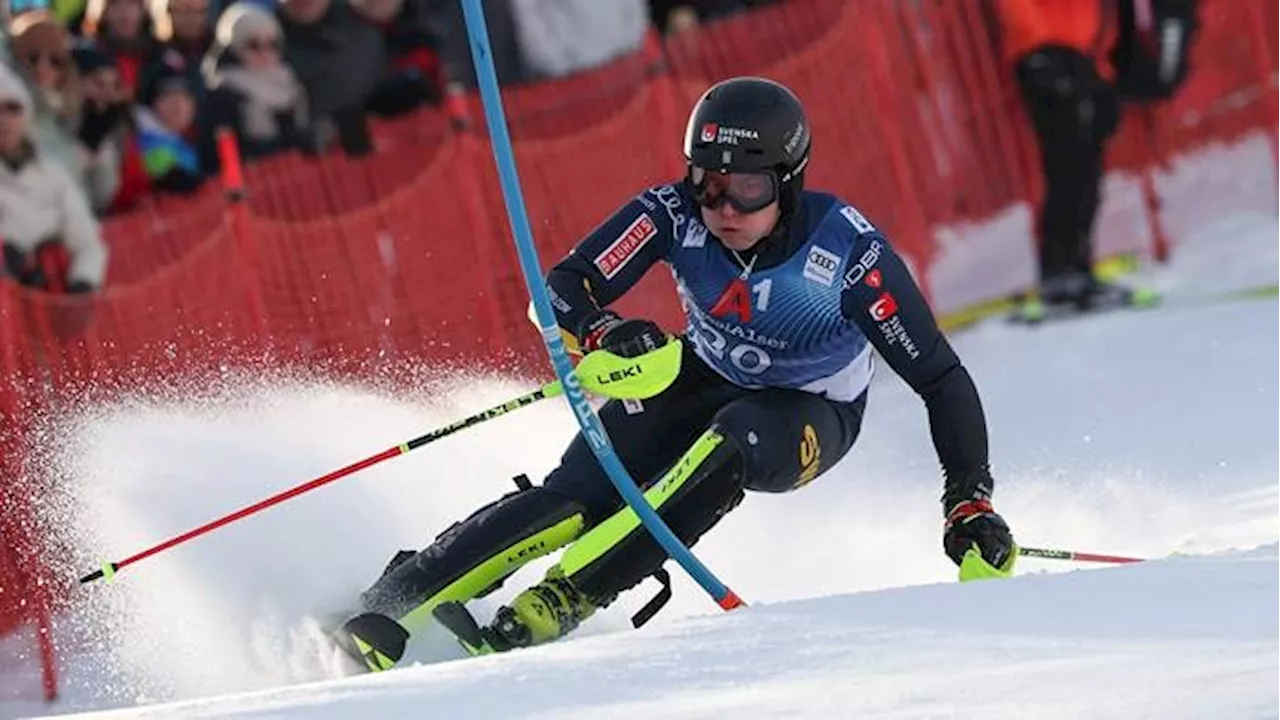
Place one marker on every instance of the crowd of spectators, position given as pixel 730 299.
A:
pixel 104 102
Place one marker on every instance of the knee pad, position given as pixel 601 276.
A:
pixel 756 434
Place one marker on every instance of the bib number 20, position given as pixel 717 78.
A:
pixel 746 357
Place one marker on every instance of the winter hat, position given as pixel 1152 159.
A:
pixel 171 74
pixel 243 20
pixel 38 33
pixel 12 88
pixel 89 58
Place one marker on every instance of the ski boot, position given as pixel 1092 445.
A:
pixel 1028 309
pixel 1078 294
pixel 1052 297
pixel 1105 295
pixel 545 612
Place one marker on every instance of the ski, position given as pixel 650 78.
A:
pixel 375 642
pixel 1142 300
pixel 1034 311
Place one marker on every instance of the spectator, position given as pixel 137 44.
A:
pixel 251 90
pixel 449 34
pixel 104 129
pixel 40 204
pixel 337 57
pixel 42 57
pixel 122 29
pixel 1057 51
pixel 64 12
pixel 672 17
pixel 68 13
pixel 13 9
pixel 183 25
pixel 680 19
pixel 182 28
pixel 167 135
pixel 412 76
pixel 559 37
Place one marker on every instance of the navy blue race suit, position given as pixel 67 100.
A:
pixel 778 361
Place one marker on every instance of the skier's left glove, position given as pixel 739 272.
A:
pixel 605 330
pixel 978 540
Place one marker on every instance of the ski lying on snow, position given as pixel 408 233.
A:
pixel 1150 301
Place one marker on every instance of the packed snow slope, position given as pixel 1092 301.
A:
pixel 1182 638
pixel 1144 433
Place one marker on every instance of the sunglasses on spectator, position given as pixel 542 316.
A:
pixel 747 192
pixel 258 44
pixel 10 107
pixel 56 61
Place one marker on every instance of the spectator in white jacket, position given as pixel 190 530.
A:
pixel 41 204
pixel 560 37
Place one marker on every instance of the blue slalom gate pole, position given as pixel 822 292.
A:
pixel 592 429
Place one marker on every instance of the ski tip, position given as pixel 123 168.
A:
pixel 373 639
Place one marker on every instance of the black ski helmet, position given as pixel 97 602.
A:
pixel 751 124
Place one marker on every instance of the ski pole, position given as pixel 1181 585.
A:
pixel 1047 554
pixel 600 373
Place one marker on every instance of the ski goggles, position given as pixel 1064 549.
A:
pixel 747 192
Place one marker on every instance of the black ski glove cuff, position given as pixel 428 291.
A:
pixel 606 330
pixel 975 523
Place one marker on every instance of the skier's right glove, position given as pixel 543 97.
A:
pixel 978 540
pixel 605 330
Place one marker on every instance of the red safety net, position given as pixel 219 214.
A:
pixel 351 266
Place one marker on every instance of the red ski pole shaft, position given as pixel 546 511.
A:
pixel 108 570
pixel 1047 554
pixel 600 373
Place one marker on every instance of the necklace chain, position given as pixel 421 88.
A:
pixel 746 266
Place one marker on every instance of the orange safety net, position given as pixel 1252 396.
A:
pixel 352 266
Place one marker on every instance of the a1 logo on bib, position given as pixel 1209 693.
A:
pixel 821 266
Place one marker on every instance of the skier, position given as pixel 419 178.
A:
pixel 786 291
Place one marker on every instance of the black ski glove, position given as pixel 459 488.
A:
pixel 975 523
pixel 23 268
pixel 605 330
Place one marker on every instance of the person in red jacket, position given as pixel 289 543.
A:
pixel 122 29
pixel 1058 50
